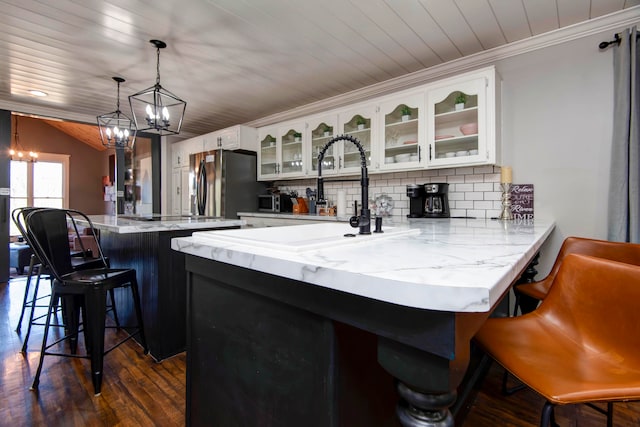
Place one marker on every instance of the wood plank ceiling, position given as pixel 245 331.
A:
pixel 235 61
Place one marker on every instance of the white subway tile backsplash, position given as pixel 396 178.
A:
pixel 463 204
pixel 483 186
pixel 473 191
pixel 454 195
pixel 483 204
pixel 473 178
pixel 471 195
pixel 455 179
pixel 492 195
pixel 466 188
pixel 483 170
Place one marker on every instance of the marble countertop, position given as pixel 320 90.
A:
pixel 128 224
pixel 461 265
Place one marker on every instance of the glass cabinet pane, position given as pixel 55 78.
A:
pixel 358 126
pixel 292 151
pixel 456 125
pixel 320 136
pixel 268 159
pixel 401 135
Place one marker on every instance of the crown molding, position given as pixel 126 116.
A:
pixel 611 22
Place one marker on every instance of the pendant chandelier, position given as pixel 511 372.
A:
pixel 16 150
pixel 155 108
pixel 117 130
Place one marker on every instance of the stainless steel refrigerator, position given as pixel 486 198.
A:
pixel 224 183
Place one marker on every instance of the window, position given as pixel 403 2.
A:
pixel 44 183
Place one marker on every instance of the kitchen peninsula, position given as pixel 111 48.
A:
pixel 143 243
pixel 302 325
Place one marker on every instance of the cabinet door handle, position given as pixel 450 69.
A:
pixel 419 154
pixel 429 151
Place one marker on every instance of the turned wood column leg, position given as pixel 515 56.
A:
pixel 419 409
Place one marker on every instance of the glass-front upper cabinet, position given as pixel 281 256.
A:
pixel 292 149
pixel 461 121
pixel 402 132
pixel 268 162
pixel 359 123
pixel 321 131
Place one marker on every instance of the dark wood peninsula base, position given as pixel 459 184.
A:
pixel 267 350
pixel 161 281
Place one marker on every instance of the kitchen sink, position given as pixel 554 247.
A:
pixel 300 238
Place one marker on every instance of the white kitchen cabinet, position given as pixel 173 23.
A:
pixel 181 194
pixel 268 153
pixel 292 140
pixel 320 130
pixel 402 125
pixel 178 157
pixel 416 129
pixel 464 135
pixel 358 122
pixel 234 138
pixel 281 152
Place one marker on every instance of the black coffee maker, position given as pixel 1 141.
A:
pixel 417 197
pixel 436 203
pixel 428 200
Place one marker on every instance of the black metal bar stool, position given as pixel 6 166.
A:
pixel 79 290
pixel 80 260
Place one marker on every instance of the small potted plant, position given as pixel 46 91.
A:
pixel 297 136
pixel 460 100
pixel 406 113
pixel 360 122
pixel 328 130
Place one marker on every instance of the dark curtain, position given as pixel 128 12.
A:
pixel 624 197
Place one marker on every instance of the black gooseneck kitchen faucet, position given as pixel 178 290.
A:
pixel 363 221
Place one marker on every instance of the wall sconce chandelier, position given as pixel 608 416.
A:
pixel 117 130
pixel 155 108
pixel 16 150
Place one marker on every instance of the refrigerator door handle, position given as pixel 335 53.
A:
pixel 201 188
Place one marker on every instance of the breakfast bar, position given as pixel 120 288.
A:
pixel 143 243
pixel 309 325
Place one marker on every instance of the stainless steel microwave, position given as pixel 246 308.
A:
pixel 274 203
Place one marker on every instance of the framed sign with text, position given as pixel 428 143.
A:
pixel 522 201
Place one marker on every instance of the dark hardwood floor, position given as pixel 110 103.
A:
pixel 137 391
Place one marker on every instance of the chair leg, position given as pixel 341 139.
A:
pixel 26 293
pixel 609 414
pixel 94 323
pixel 547 415
pixel 32 312
pixel 136 303
pixel 113 307
pixel 36 379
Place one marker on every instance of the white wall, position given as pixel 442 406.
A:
pixel 557 112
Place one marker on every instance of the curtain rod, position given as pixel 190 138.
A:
pixel 616 40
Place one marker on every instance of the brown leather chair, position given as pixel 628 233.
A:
pixel 581 344
pixel 616 251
